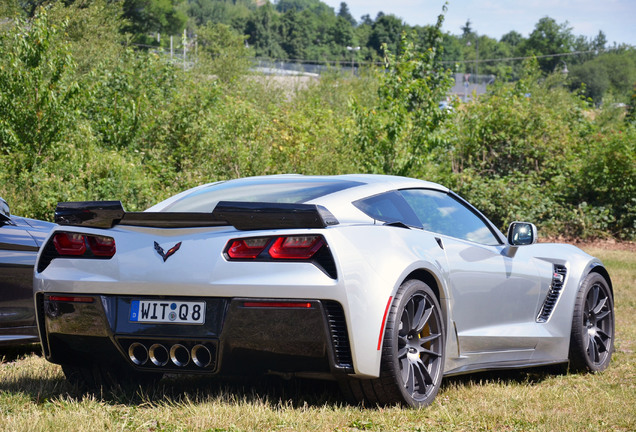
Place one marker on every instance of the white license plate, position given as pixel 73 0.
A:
pixel 167 311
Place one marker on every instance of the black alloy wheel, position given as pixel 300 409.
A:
pixel 592 338
pixel 420 349
pixel 413 352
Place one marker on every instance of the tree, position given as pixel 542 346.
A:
pixel 38 92
pixel 386 30
pixel 153 16
pixel 512 38
pixel 547 39
pixel 613 72
pixel 294 31
pixel 226 50
pixel 366 20
pixel 467 30
pixel 261 29
pixel 343 12
pixel 403 128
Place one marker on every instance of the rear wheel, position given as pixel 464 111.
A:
pixel 592 337
pixel 412 354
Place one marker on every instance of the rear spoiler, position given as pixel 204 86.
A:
pixel 241 215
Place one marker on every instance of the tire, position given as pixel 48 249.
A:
pixel 592 336
pixel 98 377
pixel 412 354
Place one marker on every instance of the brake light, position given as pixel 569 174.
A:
pixel 69 244
pixel 296 247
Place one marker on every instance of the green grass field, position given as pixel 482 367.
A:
pixel 35 397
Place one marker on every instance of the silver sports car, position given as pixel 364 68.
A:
pixel 385 284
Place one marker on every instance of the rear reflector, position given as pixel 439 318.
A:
pixel 259 304
pixel 71 299
pixel 386 312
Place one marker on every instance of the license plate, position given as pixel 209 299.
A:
pixel 167 311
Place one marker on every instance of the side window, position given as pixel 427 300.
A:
pixel 388 207
pixel 441 213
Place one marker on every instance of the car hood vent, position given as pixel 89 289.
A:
pixel 558 280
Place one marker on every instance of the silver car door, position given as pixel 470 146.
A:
pixel 494 298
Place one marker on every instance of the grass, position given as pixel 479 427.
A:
pixel 35 397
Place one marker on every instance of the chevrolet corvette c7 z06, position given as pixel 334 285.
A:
pixel 383 283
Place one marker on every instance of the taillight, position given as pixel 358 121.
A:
pixel 69 244
pixel 101 245
pixel 247 248
pixel 312 248
pixel 296 247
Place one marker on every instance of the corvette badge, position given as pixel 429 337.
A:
pixel 171 251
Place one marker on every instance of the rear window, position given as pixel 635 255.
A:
pixel 279 190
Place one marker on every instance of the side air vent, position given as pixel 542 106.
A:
pixel 339 335
pixel 558 279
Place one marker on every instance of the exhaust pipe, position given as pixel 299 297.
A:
pixel 201 356
pixel 179 355
pixel 138 353
pixel 159 355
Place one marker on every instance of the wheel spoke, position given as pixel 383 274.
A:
pixel 404 369
pixel 588 339
pixel 409 376
pixel 594 299
pixel 429 338
pixel 419 311
pixel 407 318
pixel 429 352
pixel 599 306
pixel 592 350
pixel 403 351
pixel 422 376
pixel 424 319
pixel 601 316
pixel 599 342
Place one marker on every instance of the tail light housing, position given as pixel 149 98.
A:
pixel 306 247
pixel 65 244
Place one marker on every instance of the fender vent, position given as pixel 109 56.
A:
pixel 339 335
pixel 558 280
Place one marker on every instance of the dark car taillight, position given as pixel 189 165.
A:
pixel 76 245
pixel 312 248
pixel 72 244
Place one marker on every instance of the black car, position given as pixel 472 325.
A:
pixel 20 240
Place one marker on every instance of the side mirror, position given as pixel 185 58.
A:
pixel 5 212
pixel 522 234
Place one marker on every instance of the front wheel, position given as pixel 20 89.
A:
pixel 592 337
pixel 412 354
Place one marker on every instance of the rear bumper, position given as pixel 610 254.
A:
pixel 239 335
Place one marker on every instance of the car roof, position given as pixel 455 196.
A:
pixel 361 185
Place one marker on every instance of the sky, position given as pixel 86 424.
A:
pixel 494 18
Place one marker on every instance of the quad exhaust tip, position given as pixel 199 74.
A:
pixel 160 355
